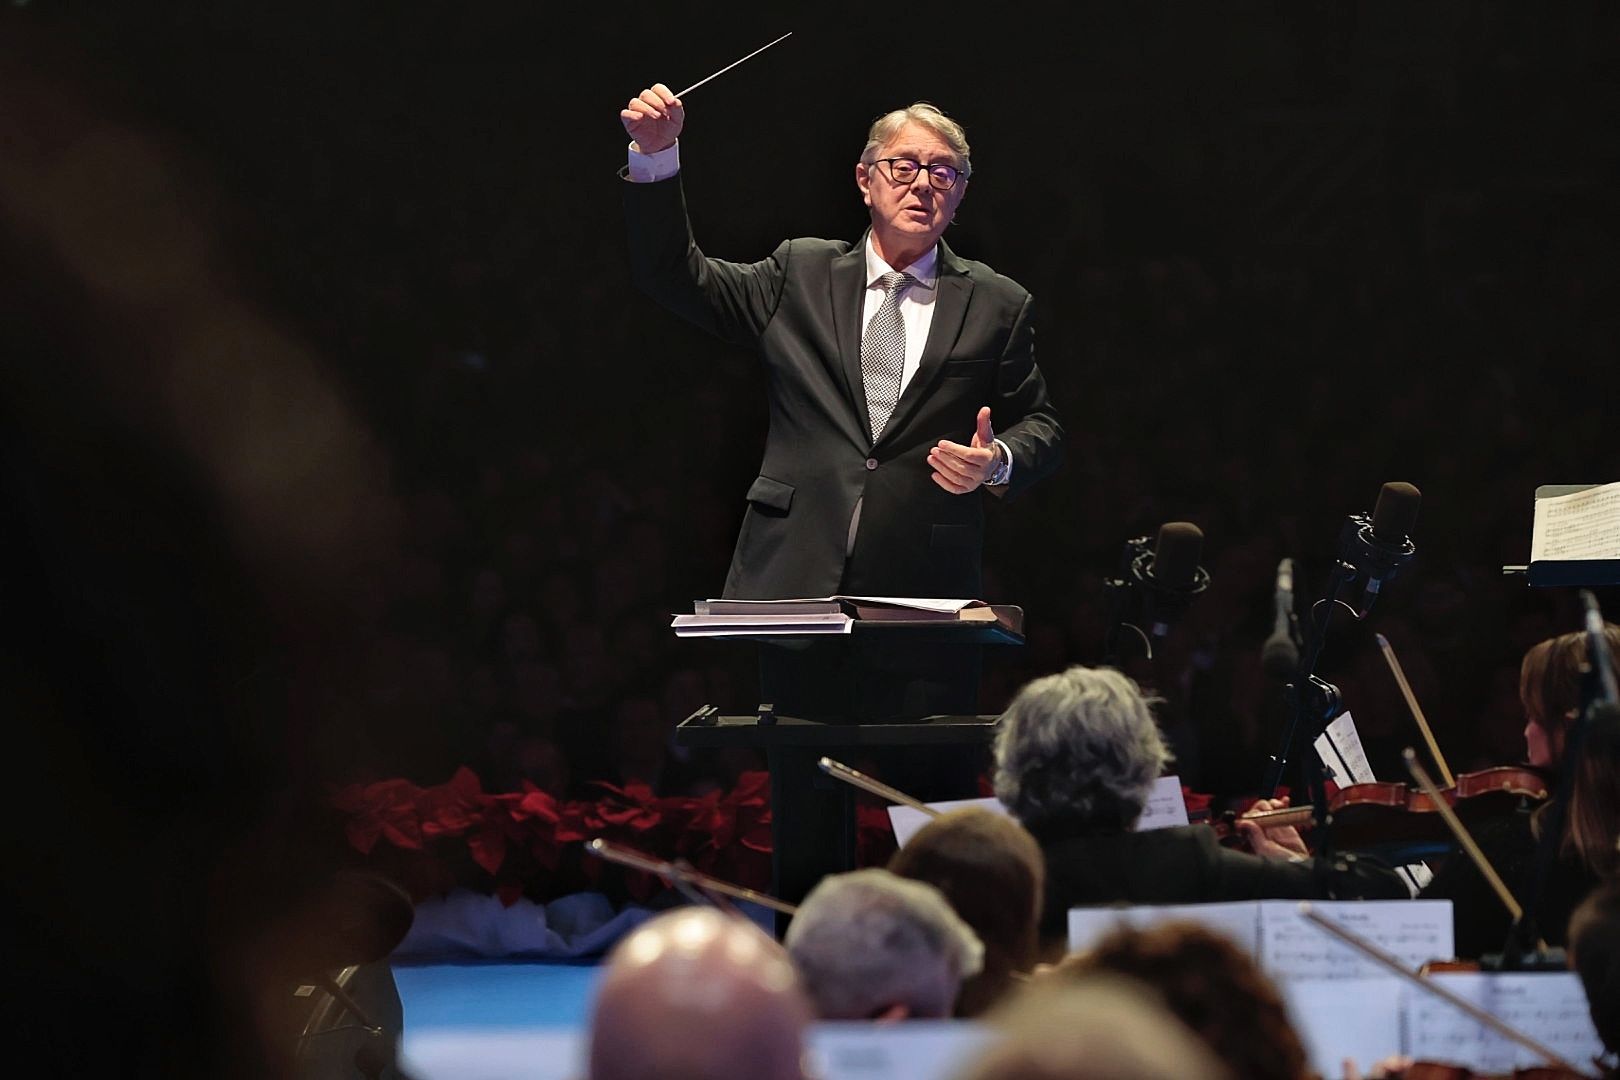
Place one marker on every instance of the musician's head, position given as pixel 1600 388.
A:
pixel 1078 751
pixel 912 175
pixel 1098 1028
pixel 698 995
pixel 1594 953
pixel 992 872
pixel 873 946
pixel 1550 686
pixel 1210 985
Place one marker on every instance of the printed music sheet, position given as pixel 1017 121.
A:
pixel 1346 1018
pixel 914 1050
pixel 1581 525
pixel 1413 931
pixel 1238 920
pixel 1166 806
pixel 1549 1006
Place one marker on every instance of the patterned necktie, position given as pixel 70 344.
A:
pixel 883 352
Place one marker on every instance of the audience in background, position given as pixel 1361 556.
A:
pixel 873 946
pixel 1101 1028
pixel 698 995
pixel 991 871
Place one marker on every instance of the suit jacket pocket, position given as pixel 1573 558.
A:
pixel 770 496
pixel 967 368
pixel 951 537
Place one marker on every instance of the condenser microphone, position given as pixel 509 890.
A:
pixel 1380 545
pixel 1279 656
pixel 1170 575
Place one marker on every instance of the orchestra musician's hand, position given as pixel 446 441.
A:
pixel 960 469
pixel 1281 842
pixel 1392 1066
pixel 654 119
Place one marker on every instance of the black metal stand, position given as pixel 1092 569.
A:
pixel 890 685
pixel 1312 705
pixel 813 814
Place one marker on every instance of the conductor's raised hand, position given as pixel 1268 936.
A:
pixel 960 469
pixel 654 119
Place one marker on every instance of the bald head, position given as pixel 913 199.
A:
pixel 697 995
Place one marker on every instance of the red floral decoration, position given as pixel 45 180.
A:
pixel 529 843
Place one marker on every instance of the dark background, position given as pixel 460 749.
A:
pixel 337 445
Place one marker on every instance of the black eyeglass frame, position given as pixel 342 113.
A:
pixel 933 177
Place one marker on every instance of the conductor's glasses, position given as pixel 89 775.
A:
pixel 904 170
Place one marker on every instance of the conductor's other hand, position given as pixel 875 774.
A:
pixel 959 469
pixel 654 119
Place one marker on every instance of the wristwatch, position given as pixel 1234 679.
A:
pixel 1003 470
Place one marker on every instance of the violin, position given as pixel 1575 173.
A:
pixel 1387 811
pixel 1435 1070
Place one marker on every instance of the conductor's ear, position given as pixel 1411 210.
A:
pixel 863 180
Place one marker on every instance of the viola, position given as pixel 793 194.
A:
pixel 1390 812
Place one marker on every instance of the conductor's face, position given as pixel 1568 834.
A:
pixel 912 189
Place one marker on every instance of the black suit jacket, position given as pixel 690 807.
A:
pixel 800 310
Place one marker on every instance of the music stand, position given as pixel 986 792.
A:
pixel 813 821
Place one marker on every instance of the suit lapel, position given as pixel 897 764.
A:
pixel 955 286
pixel 848 273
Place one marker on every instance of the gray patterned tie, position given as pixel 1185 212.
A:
pixel 883 352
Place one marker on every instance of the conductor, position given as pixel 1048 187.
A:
pixel 901 381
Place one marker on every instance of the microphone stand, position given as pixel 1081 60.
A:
pixel 1523 949
pixel 1119 591
pixel 1313 703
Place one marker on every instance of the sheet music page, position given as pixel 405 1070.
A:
pixel 906 820
pixel 754 625
pixel 1581 525
pixel 482 1053
pixel 1166 806
pixel 1345 1018
pixel 1292 947
pixel 921 603
pixel 1548 1006
pixel 1340 749
pixel 914 1050
pixel 1238 920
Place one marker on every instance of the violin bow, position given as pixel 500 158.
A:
pixel 679 874
pixel 1466 839
pixel 858 779
pixel 1417 711
pixel 1384 959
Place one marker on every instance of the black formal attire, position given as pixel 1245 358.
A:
pixel 1187 865
pixel 800 310
pixel 1479 919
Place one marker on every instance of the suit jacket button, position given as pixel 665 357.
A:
pixel 871 463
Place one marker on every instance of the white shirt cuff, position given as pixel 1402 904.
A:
pixel 651 168
pixel 1006 455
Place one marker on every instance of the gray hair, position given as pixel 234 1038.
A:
pixel 867 940
pixel 929 116
pixel 1079 749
